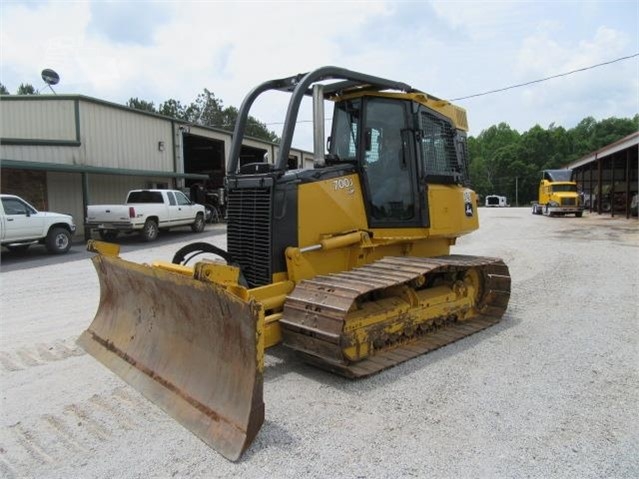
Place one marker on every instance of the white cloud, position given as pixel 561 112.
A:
pixel 449 49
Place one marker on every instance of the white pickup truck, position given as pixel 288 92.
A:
pixel 146 212
pixel 21 225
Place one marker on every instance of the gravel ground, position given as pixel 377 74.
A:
pixel 551 391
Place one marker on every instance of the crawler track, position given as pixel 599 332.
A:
pixel 318 319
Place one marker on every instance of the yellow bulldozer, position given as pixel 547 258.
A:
pixel 347 263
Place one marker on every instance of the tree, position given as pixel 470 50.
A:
pixel 26 89
pixel 206 110
pixel 142 105
pixel 3 90
pixel 501 157
pixel 173 108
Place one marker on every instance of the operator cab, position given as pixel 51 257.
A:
pixel 401 147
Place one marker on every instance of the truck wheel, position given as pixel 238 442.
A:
pixel 198 224
pixel 150 231
pixel 108 235
pixel 579 215
pixel 58 240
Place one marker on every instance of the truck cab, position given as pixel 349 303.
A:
pixel 558 195
pixel 21 225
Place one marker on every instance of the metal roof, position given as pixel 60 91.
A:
pixel 620 145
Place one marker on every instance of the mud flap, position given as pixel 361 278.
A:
pixel 189 346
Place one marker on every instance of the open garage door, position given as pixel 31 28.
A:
pixel 249 154
pixel 205 156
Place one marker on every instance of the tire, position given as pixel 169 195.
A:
pixel 58 240
pixel 108 235
pixel 213 214
pixel 150 231
pixel 198 224
pixel 579 215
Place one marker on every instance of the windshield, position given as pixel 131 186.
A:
pixel 558 175
pixel 563 188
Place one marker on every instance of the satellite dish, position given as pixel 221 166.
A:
pixel 50 77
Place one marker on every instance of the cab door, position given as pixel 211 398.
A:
pixel 185 208
pixel 22 220
pixel 389 165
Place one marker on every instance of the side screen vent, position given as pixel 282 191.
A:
pixel 249 232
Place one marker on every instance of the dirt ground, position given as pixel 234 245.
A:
pixel 551 391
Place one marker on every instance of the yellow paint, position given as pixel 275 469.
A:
pixel 456 114
pixel 328 207
pixel 103 248
pixel 547 195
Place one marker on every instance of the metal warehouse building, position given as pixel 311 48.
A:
pixel 63 152
pixel 610 173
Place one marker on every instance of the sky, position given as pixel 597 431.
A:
pixel 116 50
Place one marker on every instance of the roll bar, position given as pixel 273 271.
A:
pixel 301 85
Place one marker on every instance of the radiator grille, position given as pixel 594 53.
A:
pixel 568 201
pixel 249 233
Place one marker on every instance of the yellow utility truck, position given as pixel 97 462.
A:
pixel 558 195
pixel 347 263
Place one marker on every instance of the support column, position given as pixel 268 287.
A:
pixel 591 190
pixel 85 203
pixel 627 176
pixel 599 180
pixel 612 186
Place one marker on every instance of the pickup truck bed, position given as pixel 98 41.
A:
pixel 146 212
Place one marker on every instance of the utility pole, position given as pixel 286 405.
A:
pixel 517 191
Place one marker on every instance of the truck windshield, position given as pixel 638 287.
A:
pixel 145 197
pixel 562 188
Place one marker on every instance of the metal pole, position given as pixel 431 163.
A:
pixel 517 191
pixel 599 179
pixel 627 176
pixel 318 124
pixel 612 186
pixel 591 190
pixel 85 203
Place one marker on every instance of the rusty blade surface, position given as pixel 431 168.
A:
pixel 188 346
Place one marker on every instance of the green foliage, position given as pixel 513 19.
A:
pixel 502 160
pixel 173 108
pixel 26 89
pixel 3 90
pixel 206 110
pixel 141 105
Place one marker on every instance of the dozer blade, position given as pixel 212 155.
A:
pixel 189 346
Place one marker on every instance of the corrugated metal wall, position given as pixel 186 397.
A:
pixel 112 189
pixel 64 191
pixel 38 119
pixel 110 137
pixel 117 138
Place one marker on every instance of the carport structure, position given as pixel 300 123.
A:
pixel 608 177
